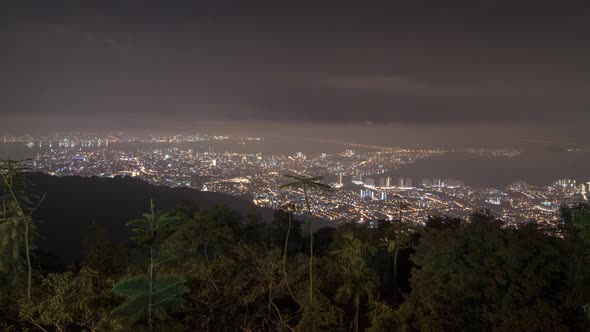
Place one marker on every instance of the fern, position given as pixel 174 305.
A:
pixel 166 295
pixel 149 297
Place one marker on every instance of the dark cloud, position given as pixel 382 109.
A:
pixel 430 62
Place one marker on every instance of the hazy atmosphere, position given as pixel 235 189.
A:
pixel 514 70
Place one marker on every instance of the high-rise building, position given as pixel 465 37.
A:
pixel 566 183
pixel 408 182
pixel 357 177
pixel 404 182
pixel 496 200
pixel 451 183
pixel 426 182
pixel 366 193
pixel 340 178
pixel 422 203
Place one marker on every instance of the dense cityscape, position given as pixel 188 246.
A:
pixel 365 189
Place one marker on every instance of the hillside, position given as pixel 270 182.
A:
pixel 71 204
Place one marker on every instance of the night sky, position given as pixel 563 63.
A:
pixel 448 65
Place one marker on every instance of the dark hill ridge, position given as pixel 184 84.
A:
pixel 72 203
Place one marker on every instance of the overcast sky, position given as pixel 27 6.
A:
pixel 406 63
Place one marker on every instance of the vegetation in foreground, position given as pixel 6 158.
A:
pixel 215 270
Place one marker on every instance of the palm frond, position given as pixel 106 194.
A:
pixel 306 182
pixel 137 223
pixel 133 309
pixel 132 286
pixel 170 285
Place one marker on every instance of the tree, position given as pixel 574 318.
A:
pixel 396 236
pixel 442 222
pixel 575 229
pixel 290 236
pixel 17 229
pixel 101 254
pixel 206 234
pixel 71 300
pixel 580 218
pixel 236 281
pixel 308 184
pixel 402 206
pixel 481 275
pixel 150 294
pixel 357 280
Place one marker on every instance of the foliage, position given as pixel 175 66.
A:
pixel 306 184
pixel 149 297
pixel 103 255
pixel 17 230
pixel 575 228
pixel 382 317
pixel 580 218
pixel 395 237
pixel 165 295
pixel 235 275
pixel 67 300
pixel 481 276
pixel 356 279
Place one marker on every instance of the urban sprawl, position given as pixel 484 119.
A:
pixel 364 189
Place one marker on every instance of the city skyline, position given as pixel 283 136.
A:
pixel 371 182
